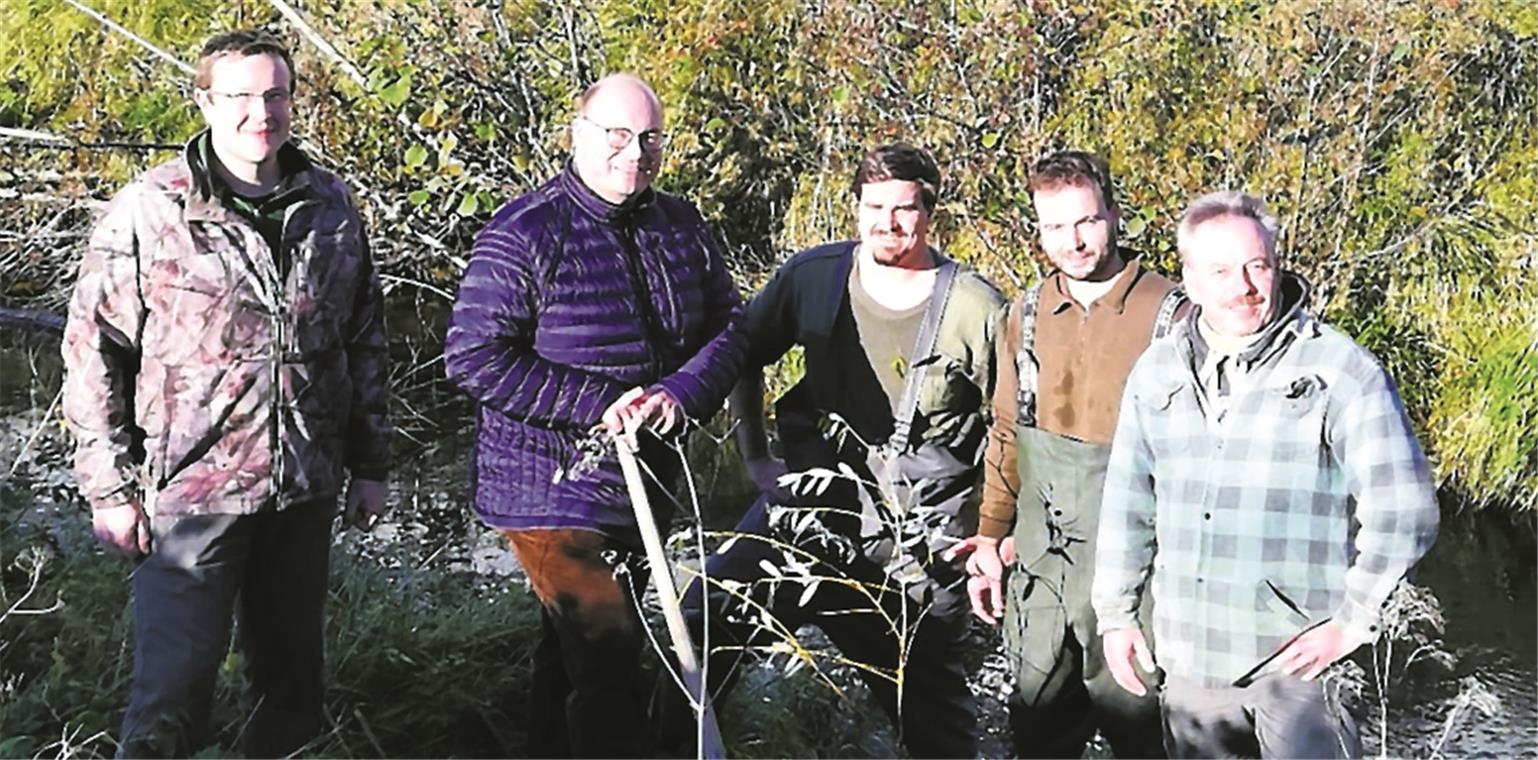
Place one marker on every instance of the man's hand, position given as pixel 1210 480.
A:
pixel 365 503
pixel 1121 647
pixel 661 412
pixel 636 408
pixel 122 529
pixel 985 584
pixel 1310 653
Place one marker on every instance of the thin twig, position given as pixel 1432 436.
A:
pixel 320 43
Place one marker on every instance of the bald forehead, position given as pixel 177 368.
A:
pixel 620 93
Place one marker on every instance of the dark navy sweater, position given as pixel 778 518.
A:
pixel 568 301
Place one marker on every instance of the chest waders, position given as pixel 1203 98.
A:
pixel 1063 690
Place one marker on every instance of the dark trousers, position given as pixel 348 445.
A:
pixel 589 696
pixel 938 714
pixel 1277 716
pixel 270 569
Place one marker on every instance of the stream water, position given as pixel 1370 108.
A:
pixel 1482 569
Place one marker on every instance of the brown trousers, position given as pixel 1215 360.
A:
pixel 589 693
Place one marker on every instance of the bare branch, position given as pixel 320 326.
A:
pixel 320 43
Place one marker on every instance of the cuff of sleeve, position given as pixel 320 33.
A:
pixel 1114 620
pixel 683 389
pixel 121 497
pixel 992 527
pixel 1357 623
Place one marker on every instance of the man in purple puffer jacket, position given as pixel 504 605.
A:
pixel 591 301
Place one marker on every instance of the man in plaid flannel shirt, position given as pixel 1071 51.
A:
pixel 1265 475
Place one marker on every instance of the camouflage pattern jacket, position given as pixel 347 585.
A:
pixel 201 381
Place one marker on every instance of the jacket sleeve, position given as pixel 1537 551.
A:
pixel 489 352
pixel 771 320
pixel 1001 474
pixel 369 432
pixel 702 383
pixel 101 358
pixel 1396 507
pixel 1125 549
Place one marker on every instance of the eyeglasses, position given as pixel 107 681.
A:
pixel 1082 225
pixel 270 97
pixel 652 140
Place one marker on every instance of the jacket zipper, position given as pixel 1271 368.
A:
pixel 651 323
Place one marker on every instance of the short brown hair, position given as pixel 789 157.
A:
pixel 243 43
pixel 1072 167
pixel 901 161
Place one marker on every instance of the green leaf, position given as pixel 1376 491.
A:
pixel 991 139
pixel 468 205
pixel 16 746
pixel 398 91
pixel 418 197
pixel 416 155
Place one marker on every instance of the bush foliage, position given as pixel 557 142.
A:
pixel 1396 141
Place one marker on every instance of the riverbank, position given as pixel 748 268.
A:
pixel 431 625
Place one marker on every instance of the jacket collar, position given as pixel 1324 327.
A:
pixel 598 208
pixel 208 192
pixel 1287 324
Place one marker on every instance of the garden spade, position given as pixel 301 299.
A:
pixel 709 740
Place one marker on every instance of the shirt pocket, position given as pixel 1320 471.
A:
pixel 1297 435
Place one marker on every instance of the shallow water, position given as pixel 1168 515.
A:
pixel 1482 568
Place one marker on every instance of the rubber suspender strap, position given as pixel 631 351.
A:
pixel 1025 359
pixel 919 359
pixel 1167 308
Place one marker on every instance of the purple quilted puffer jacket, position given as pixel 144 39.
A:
pixel 567 302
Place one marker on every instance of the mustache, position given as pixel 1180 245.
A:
pixel 1253 299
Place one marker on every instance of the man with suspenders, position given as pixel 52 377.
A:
pixel 892 411
pixel 1067 346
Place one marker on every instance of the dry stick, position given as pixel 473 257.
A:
pixel 31 135
pixel 320 42
pixel 710 745
pixel 116 27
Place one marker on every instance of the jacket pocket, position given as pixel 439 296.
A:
pixel 1300 406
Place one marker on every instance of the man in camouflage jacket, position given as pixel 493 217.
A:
pixel 226 364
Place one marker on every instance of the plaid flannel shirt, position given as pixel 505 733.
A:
pixel 1308 498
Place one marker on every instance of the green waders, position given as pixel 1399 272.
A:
pixel 1063 689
